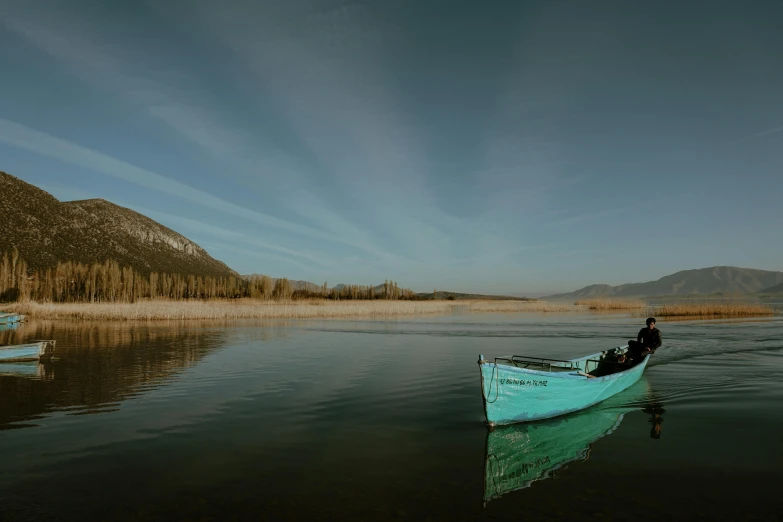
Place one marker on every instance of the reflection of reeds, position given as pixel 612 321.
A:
pixel 713 310
pixel 101 364
pixel 611 304
pixel 252 308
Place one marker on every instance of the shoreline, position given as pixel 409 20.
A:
pixel 250 308
pixel 247 308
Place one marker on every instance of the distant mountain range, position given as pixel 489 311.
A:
pixel 725 280
pixel 46 231
pixel 307 285
pixel 461 296
pixel 295 283
pixel 777 289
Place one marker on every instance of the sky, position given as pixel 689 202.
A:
pixel 491 147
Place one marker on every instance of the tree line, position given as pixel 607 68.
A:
pixel 98 282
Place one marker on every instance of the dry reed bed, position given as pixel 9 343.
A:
pixel 611 304
pixel 697 310
pixel 159 310
pixel 517 306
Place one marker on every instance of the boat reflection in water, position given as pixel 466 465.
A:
pixel 33 370
pixel 520 454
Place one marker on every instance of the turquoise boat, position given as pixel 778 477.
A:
pixel 519 388
pixel 32 351
pixel 9 318
pixel 517 456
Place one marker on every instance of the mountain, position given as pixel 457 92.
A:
pixel 703 281
pixel 457 296
pixel 424 296
pixel 305 285
pixel 777 289
pixel 377 288
pixel 46 231
pixel 295 283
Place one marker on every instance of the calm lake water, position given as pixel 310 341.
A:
pixel 383 420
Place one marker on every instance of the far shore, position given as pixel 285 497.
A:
pixel 162 310
pixel 248 308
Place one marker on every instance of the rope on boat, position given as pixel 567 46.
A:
pixel 492 468
pixel 492 378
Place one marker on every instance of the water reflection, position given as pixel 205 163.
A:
pixel 520 454
pixel 655 410
pixel 29 370
pixel 98 366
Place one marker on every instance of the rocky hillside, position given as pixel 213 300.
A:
pixel 724 280
pixel 46 231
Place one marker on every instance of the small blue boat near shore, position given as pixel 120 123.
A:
pixel 40 351
pixel 519 388
pixel 32 351
pixel 7 318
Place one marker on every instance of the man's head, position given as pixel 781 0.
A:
pixel 651 322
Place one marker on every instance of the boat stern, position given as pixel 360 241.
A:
pixel 46 349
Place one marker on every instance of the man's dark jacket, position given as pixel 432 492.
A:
pixel 650 338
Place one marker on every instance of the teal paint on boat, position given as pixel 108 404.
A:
pixel 10 318
pixel 20 352
pixel 520 394
pixel 4 327
pixel 32 351
pixel 518 455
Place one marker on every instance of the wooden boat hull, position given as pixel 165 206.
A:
pixel 32 351
pixel 513 394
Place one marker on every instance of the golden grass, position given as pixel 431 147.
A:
pixel 711 310
pixel 516 306
pixel 158 310
pixel 611 304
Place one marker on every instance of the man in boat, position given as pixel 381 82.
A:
pixel 648 340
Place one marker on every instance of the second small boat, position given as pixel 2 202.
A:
pixel 520 388
pixel 32 351
pixel 7 318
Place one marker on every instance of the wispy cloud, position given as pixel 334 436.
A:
pixel 40 143
pixel 318 259
pixel 187 111
pixel 369 146
pixel 761 134
pixel 286 261
pixel 351 156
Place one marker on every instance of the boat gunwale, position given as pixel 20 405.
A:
pixel 573 374
pixel 40 346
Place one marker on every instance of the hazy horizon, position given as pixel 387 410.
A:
pixel 513 148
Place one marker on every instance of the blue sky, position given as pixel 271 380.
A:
pixel 499 147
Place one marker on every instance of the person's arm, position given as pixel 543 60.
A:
pixel 640 336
